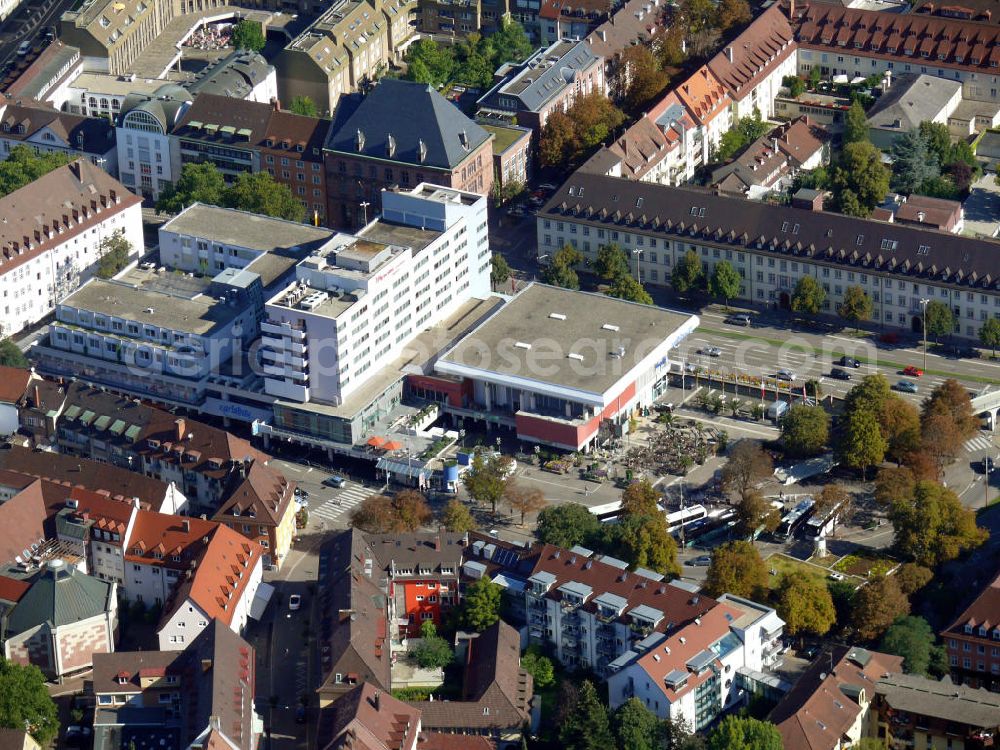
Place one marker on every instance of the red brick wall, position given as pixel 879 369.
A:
pixel 32 648
pixel 455 390
pixel 77 643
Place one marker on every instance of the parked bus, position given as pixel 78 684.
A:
pixel 794 519
pixel 685 517
pixel 824 523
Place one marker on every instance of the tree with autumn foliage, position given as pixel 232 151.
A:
pixel 877 606
pixel 524 500
pixel 952 400
pixel 640 78
pixel 405 511
pixel 737 568
pixel 932 526
pixel 590 121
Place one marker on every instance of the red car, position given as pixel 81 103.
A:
pixel 913 372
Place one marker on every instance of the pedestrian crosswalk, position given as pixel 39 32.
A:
pixel 340 503
pixel 982 442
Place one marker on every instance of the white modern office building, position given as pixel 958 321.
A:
pixel 358 300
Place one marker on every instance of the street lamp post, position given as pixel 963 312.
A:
pixel 636 252
pixel 923 325
pixel 364 207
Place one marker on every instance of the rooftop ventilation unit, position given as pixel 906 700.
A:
pixel 609 327
pixel 557 316
pixel 522 345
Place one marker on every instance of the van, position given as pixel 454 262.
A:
pixel 777 410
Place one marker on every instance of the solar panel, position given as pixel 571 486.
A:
pixel 505 557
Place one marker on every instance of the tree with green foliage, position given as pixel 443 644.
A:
pixel 939 319
pixel 499 270
pixel 911 637
pixel 248 35
pixel 736 568
pixel 936 139
pixel 856 307
pixel 457 517
pixel 989 335
pixel 912 577
pixel 198 183
pixel 259 193
pixel 868 395
pixel 860 443
pixel 590 121
pixel 732 13
pixel 856 124
pixel 11 355
pixel 611 262
pixel 303 105
pixel 510 43
pixel 557 144
pixel 724 281
pixel 23 166
pixel 808 296
pixel 805 430
pixel 688 275
pixel 641 78
pixel 539 666
pixel 860 180
pixel 561 270
pixel 627 288
pixel 429 62
pixel 744 733
pixel 753 514
pixel 877 605
pixel 567 525
pixel 913 163
pixel 112 254
pixel 745 131
pixel 805 604
pixel 932 526
pixel 636 727
pixel 487 478
pixel 795 85
pixel 641 532
pixel 586 725
pixel 868 743
pixel 433 651
pixel 951 400
pixel 25 703
pixel 481 606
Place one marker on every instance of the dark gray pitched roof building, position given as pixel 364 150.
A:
pixel 406 122
pixel 60 595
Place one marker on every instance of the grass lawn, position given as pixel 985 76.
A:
pixel 863 566
pixel 783 564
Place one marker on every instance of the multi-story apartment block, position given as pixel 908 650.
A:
pixel 102 527
pixel 262 508
pixel 752 66
pixel 572 20
pixel 209 239
pixel 400 135
pixel 357 304
pixel 548 81
pixel 138 334
pixel 973 640
pixel 914 711
pixel 450 18
pixel 147 161
pixel 291 151
pixel 196 570
pixel 200 696
pixel 512 158
pixel 239 75
pixel 47 252
pixel 224 131
pixel 423 574
pixel 592 610
pixel 702 669
pixel 47 130
pixel 115 33
pixel 344 49
pixel 831 706
pixel 577 400
pixel 772 247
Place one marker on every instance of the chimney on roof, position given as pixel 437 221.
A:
pixel 206 664
pixel 38 396
pixel 729 54
pixel 375 699
pixel 186 524
pixel 437 542
pixel 423 151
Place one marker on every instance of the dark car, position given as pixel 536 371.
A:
pixel 809 652
pixel 838 374
pixel 846 361
pixel 702 561
pixel 335 481
pixel 300 714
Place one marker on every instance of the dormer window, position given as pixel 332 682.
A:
pixel 136 551
pixel 175 558
pixel 982 631
pixel 968 629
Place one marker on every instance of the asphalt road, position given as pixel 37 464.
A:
pixel 27 20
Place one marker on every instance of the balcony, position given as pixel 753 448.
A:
pixel 284 330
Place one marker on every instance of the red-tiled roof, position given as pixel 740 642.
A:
pixel 11 589
pixel 22 519
pixel 924 40
pixel 764 45
pixel 703 95
pixel 13 383
pixel 374 717
pixel 983 612
pixel 264 493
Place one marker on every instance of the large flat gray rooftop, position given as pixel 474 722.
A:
pixel 198 315
pixel 243 229
pixel 560 337
pixel 399 234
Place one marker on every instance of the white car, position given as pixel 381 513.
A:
pixel 294 603
pixel 711 351
pixel 785 375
